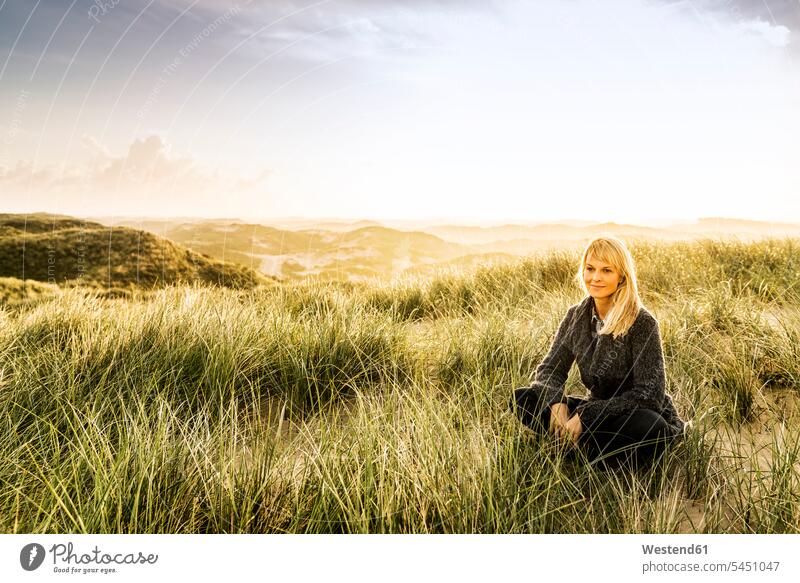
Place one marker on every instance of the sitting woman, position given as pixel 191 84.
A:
pixel 616 343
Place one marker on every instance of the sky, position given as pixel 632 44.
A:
pixel 528 111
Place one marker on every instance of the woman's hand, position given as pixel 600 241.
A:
pixel 573 429
pixel 562 426
pixel 559 416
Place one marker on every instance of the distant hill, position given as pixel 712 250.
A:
pixel 370 251
pixel 744 229
pixel 65 250
pixel 289 224
pixel 326 225
pixel 339 249
pixel 471 235
pixel 520 239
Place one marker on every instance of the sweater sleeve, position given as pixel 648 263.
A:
pixel 552 372
pixel 647 371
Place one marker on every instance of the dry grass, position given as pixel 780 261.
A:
pixel 366 408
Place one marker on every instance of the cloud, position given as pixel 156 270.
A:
pixel 94 147
pixel 148 176
pixel 148 161
pixel 254 183
pixel 325 31
pixel 777 36
pixel 778 13
pixel 773 21
pixel 22 174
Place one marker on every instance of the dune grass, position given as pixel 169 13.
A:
pixel 65 251
pixel 15 292
pixel 334 407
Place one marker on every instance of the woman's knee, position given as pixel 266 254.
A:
pixel 525 397
pixel 646 424
pixel 526 403
pixel 641 431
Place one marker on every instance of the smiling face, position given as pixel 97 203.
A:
pixel 601 279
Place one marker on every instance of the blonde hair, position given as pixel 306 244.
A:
pixel 625 300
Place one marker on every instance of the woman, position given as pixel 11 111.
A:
pixel 617 346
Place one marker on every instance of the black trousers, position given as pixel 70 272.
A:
pixel 637 437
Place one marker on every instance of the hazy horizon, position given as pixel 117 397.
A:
pixel 652 222
pixel 658 222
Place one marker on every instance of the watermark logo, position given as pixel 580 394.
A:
pixel 101 8
pixel 31 556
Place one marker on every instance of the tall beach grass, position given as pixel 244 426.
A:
pixel 382 407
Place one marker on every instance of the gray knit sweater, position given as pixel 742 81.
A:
pixel 621 375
